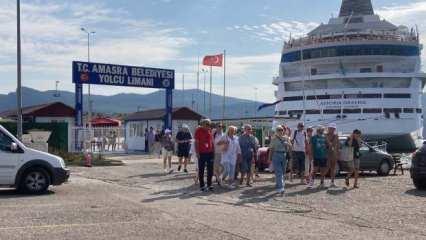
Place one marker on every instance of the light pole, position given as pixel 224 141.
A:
pixel 18 69
pixel 204 71
pixel 88 60
pixel 255 102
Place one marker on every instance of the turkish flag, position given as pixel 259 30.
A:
pixel 214 60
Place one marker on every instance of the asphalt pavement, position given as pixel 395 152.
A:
pixel 139 201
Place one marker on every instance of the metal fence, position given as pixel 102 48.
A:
pixel 98 139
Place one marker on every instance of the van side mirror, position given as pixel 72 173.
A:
pixel 14 147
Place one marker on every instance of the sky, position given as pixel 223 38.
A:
pixel 169 34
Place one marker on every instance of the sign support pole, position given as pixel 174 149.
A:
pixel 168 121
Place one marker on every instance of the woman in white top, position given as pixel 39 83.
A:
pixel 231 152
pixel 218 168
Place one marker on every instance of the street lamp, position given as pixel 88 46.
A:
pixel 255 101
pixel 88 60
pixel 18 70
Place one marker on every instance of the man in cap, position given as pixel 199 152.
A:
pixel 333 151
pixel 299 147
pixel 183 140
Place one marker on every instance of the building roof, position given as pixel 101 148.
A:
pixel 105 121
pixel 356 8
pixel 54 109
pixel 181 113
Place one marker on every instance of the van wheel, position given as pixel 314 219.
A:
pixel 384 168
pixel 35 181
pixel 420 184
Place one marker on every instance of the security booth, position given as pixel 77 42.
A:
pixel 116 75
pixel 137 123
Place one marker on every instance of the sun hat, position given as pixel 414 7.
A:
pixel 332 125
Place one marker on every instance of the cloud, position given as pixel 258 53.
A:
pixel 52 39
pixel 275 31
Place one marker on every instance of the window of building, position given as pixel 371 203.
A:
pixel 379 68
pixel 314 71
pixel 419 110
pixel 372 110
pixel 408 110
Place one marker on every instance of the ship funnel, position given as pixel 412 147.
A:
pixel 356 8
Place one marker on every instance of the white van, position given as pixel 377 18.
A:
pixel 27 169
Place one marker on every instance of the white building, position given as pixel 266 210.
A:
pixel 135 124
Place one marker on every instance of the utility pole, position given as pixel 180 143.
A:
pixel 19 80
pixel 89 92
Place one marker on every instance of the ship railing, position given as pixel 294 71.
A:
pixel 410 38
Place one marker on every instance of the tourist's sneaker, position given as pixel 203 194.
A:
pixel 333 185
pixel 311 184
pixel 171 171
pixel 322 185
pixel 185 170
pixel 179 168
pixel 203 189
pixel 211 189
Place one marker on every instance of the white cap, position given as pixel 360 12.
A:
pixel 332 125
pixel 167 131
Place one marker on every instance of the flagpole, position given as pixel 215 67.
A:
pixel 198 80
pixel 211 89
pixel 224 85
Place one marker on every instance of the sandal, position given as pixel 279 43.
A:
pixel 347 182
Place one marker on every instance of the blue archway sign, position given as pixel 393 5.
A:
pixel 124 76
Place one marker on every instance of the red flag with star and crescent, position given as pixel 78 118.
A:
pixel 213 60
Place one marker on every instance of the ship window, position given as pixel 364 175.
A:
pixel 295 112
pixel 408 110
pixel 379 68
pixel 372 95
pixel 282 112
pixel 355 83
pixel 372 110
pixel 313 111
pixel 295 98
pixel 419 110
pixel 352 50
pixel 355 110
pixel 392 110
pixel 397 95
pixel 331 111
pixel 314 71
pixel 365 70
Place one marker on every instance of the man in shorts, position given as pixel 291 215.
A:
pixel 249 145
pixel 183 140
pixel 333 151
pixel 319 150
pixel 299 144
pixel 354 141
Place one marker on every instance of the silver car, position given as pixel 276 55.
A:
pixel 373 158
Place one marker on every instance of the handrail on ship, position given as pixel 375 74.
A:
pixel 352 36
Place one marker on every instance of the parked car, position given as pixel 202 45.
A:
pixel 418 169
pixel 373 158
pixel 262 160
pixel 27 169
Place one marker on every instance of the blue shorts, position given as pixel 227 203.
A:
pixel 320 162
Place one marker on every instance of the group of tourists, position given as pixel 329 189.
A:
pixel 312 154
pixel 229 156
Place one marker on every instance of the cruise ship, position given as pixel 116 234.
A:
pixel 358 71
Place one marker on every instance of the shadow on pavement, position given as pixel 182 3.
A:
pixel 415 192
pixel 12 194
pixel 256 195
